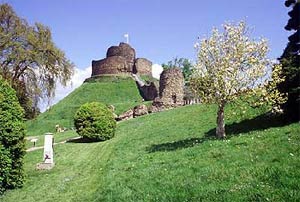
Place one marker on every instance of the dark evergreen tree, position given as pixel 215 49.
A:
pixel 290 61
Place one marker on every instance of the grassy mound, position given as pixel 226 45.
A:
pixel 120 91
pixel 171 156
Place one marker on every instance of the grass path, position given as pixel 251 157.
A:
pixel 56 143
pixel 58 137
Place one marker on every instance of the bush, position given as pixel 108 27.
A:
pixel 5 167
pixel 95 121
pixel 12 143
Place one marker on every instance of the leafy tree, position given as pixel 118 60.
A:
pixel 29 60
pixel 184 64
pixel 12 133
pixel 230 64
pixel 290 61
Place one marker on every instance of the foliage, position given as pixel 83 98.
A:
pixel 29 59
pixel 118 91
pixel 5 167
pixel 290 61
pixel 168 156
pixel 11 138
pixel 231 64
pixel 184 64
pixel 95 121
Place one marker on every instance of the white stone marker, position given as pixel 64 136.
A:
pixel 48 148
pixel 48 160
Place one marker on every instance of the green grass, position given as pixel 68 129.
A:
pixel 171 156
pixel 58 137
pixel 120 91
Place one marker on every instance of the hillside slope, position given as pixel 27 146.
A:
pixel 120 91
pixel 171 156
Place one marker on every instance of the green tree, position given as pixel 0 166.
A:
pixel 230 65
pixel 290 61
pixel 184 64
pixel 12 133
pixel 29 60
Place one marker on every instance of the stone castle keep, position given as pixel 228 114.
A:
pixel 122 60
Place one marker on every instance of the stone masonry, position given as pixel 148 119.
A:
pixel 119 60
pixel 171 91
pixel 142 66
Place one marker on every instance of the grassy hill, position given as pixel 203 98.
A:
pixel 172 156
pixel 120 91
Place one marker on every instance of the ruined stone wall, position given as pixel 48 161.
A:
pixel 142 66
pixel 148 91
pixel 171 92
pixel 110 65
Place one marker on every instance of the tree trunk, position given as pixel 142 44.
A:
pixel 220 131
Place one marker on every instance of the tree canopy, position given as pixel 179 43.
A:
pixel 231 64
pixel 29 59
pixel 184 64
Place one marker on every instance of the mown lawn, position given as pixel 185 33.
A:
pixel 58 137
pixel 119 91
pixel 172 156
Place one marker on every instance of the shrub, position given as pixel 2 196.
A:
pixel 12 133
pixel 95 121
pixel 5 167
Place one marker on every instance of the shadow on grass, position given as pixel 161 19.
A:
pixel 258 123
pixel 172 146
pixel 82 140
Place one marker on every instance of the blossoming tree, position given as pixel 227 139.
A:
pixel 229 65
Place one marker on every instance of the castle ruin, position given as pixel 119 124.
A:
pixel 171 90
pixel 121 60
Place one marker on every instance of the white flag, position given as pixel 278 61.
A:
pixel 127 37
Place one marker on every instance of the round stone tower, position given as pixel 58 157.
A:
pixel 171 85
pixel 119 59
